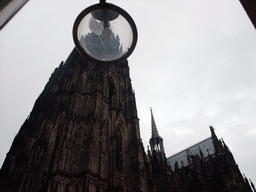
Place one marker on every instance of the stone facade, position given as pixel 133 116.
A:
pixel 82 134
pixel 215 172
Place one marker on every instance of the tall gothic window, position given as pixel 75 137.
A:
pixel 111 90
pixel 118 153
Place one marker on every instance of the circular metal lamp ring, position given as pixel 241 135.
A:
pixel 110 7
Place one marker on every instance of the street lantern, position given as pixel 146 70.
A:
pixel 105 33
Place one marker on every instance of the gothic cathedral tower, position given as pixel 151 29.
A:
pixel 158 164
pixel 156 142
pixel 82 134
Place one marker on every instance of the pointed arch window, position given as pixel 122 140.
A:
pixel 111 89
pixel 118 152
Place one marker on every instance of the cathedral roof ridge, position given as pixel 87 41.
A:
pixel 189 147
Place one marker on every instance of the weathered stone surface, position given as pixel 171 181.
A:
pixel 82 134
pixel 217 172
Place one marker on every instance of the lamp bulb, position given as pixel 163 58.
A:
pixel 106 33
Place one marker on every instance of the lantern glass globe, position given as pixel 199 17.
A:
pixel 106 34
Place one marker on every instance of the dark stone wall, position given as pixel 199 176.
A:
pixel 250 8
pixel 82 134
pixel 215 173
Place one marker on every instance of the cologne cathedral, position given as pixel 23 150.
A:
pixel 207 166
pixel 83 135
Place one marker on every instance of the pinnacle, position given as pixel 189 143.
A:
pixel 153 126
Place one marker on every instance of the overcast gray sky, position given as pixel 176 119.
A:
pixel 194 64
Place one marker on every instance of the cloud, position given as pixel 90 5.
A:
pixel 182 131
pixel 252 132
pixel 194 64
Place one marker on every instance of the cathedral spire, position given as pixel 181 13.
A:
pixel 156 142
pixel 154 131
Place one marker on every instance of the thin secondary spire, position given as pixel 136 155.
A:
pixel 153 126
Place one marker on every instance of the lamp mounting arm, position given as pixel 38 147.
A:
pixel 102 2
